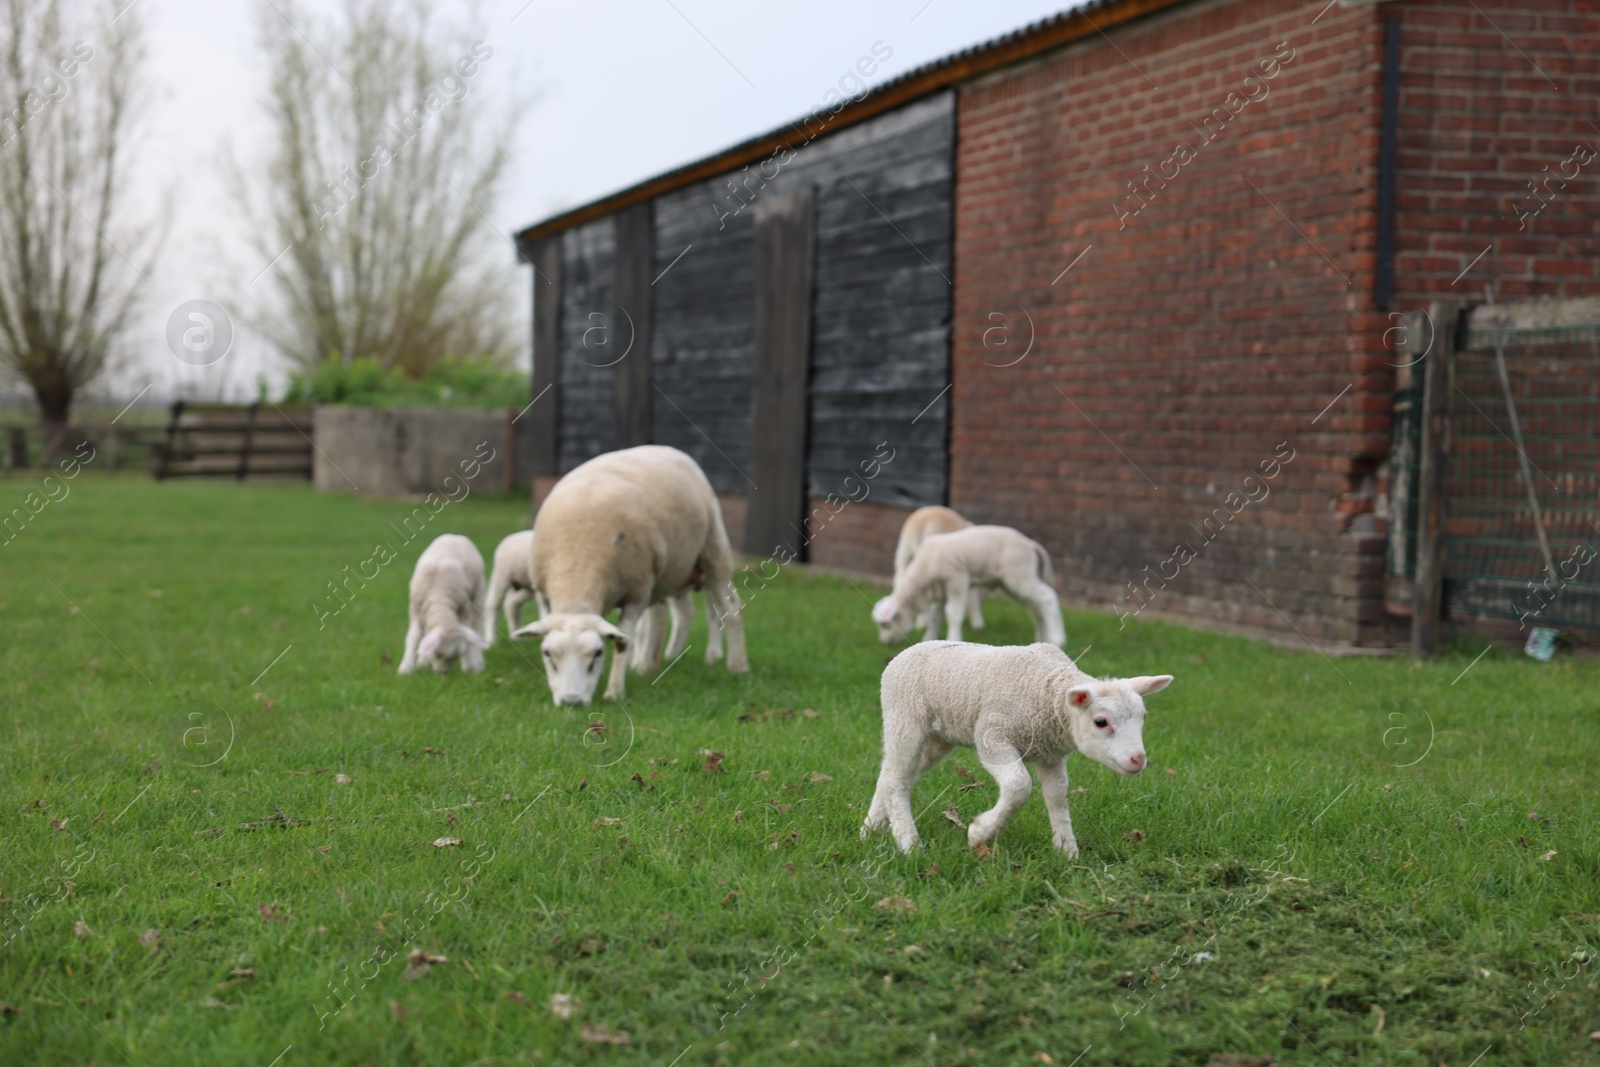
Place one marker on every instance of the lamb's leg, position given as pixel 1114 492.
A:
pixel 1053 787
pixel 499 593
pixel 975 608
pixel 617 684
pixel 1001 759
pixel 955 606
pixel 543 604
pixel 731 613
pixel 1045 608
pixel 713 632
pixel 513 608
pixel 912 758
pixel 472 661
pixel 930 621
pixel 408 662
pixel 682 610
pixel 652 633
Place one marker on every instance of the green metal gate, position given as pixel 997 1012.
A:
pixel 1504 559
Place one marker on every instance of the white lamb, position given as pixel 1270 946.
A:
pixel 678 615
pixel 626 529
pixel 511 583
pixel 1015 705
pixel 948 566
pixel 447 607
pixel 919 526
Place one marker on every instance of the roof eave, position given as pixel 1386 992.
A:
pixel 940 74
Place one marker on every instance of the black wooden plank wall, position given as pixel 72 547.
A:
pixel 881 320
pixel 780 370
pixel 588 343
pixel 704 319
pixel 880 317
pixel 631 321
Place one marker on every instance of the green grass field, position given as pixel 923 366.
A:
pixel 1347 862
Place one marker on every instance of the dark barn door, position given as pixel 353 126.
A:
pixel 631 323
pixel 785 239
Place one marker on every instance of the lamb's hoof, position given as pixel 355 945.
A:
pixel 738 668
pixel 906 846
pixel 1068 847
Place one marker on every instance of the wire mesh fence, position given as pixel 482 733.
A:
pixel 1523 521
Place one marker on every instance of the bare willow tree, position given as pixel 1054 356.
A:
pixel 371 203
pixel 68 278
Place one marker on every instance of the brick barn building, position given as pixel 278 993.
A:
pixel 1129 280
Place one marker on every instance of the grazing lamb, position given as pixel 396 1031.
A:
pixel 626 529
pixel 947 566
pixel 919 526
pixel 1015 705
pixel 511 583
pixel 678 613
pixel 447 607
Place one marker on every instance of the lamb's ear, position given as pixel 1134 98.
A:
pixel 533 629
pixel 1080 695
pixel 430 643
pixel 475 637
pixel 885 610
pixel 616 635
pixel 1146 684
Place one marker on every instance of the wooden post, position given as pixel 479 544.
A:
pixel 17 448
pixel 634 266
pixel 780 372
pixel 1427 587
pixel 249 439
pixel 541 419
pixel 111 449
pixel 164 464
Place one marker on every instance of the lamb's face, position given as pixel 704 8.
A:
pixel 574 651
pixel 443 646
pixel 1108 720
pixel 893 620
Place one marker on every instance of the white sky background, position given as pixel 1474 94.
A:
pixel 624 90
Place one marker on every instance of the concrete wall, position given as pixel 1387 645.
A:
pixel 411 451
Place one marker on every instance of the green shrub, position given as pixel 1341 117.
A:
pixel 455 381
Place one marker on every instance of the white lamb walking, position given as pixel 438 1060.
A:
pixel 447 607
pixel 511 583
pixel 1016 705
pixel 948 566
pixel 919 526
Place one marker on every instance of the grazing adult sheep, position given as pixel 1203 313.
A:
pixel 626 529
pixel 511 583
pixel 919 526
pixel 1016 705
pixel 948 566
pixel 447 607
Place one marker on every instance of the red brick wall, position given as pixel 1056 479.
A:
pixel 1197 335
pixel 1478 122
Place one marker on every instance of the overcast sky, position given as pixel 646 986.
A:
pixel 623 90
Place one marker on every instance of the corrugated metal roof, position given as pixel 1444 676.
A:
pixel 1014 47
